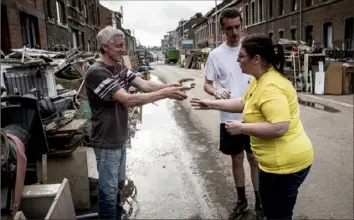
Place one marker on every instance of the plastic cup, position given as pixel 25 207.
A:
pixel 187 85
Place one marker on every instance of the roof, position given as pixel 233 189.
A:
pixel 226 6
pixel 126 33
pixel 204 19
pixel 221 6
pixel 104 8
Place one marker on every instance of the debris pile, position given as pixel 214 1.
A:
pixel 196 58
pixel 53 79
pixel 316 70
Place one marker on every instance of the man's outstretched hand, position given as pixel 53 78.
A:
pixel 181 81
pixel 176 92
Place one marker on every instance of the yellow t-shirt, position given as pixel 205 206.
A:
pixel 272 98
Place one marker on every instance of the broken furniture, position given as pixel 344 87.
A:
pixel 293 68
pixel 347 78
pixel 339 78
pixel 195 59
pixel 312 64
pixel 37 115
pixel 23 144
pixel 74 168
pixel 47 201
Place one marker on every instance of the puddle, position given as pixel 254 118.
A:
pixel 318 106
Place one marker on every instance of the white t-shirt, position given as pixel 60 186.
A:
pixel 222 68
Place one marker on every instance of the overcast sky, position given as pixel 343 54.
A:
pixel 152 19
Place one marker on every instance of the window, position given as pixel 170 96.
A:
pixel 309 34
pixel 309 3
pixel 5 34
pixel 97 14
pixel 98 17
pixel 253 13
pixel 280 7
pixel 270 8
pixel 49 9
pixel 76 38
pixel 80 5
pixel 94 15
pixel 328 35
pixel 270 35
pixel 349 33
pixel 29 30
pixel 61 13
pixel 260 8
pixel 85 13
pixel 82 40
pixel 293 34
pixel 293 5
pixel 247 16
pixel 281 34
pixel 208 29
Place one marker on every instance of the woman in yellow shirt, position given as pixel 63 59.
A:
pixel 271 117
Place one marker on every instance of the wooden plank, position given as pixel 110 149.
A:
pixel 127 62
pixel 72 126
pixel 134 62
pixel 62 207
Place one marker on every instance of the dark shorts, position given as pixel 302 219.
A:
pixel 233 144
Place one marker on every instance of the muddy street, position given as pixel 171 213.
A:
pixel 167 180
pixel 176 169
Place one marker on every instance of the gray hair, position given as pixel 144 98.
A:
pixel 105 36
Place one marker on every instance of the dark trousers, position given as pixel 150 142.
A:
pixel 278 192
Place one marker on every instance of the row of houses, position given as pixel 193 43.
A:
pixel 50 24
pixel 327 23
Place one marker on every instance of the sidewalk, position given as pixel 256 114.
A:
pixel 342 100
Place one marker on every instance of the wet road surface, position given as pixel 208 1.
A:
pixel 167 181
pixel 181 174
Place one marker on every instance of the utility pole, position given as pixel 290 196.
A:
pixel 216 23
pixel 182 35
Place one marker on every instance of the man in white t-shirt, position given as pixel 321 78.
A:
pixel 224 79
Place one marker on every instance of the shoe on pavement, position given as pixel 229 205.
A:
pixel 240 209
pixel 259 213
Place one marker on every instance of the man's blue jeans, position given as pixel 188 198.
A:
pixel 111 164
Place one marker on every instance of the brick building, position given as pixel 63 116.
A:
pixel 208 31
pixel 105 17
pixel 329 23
pixel 114 19
pixel 72 23
pixel 178 33
pixel 186 31
pixel 23 23
pixel 201 33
